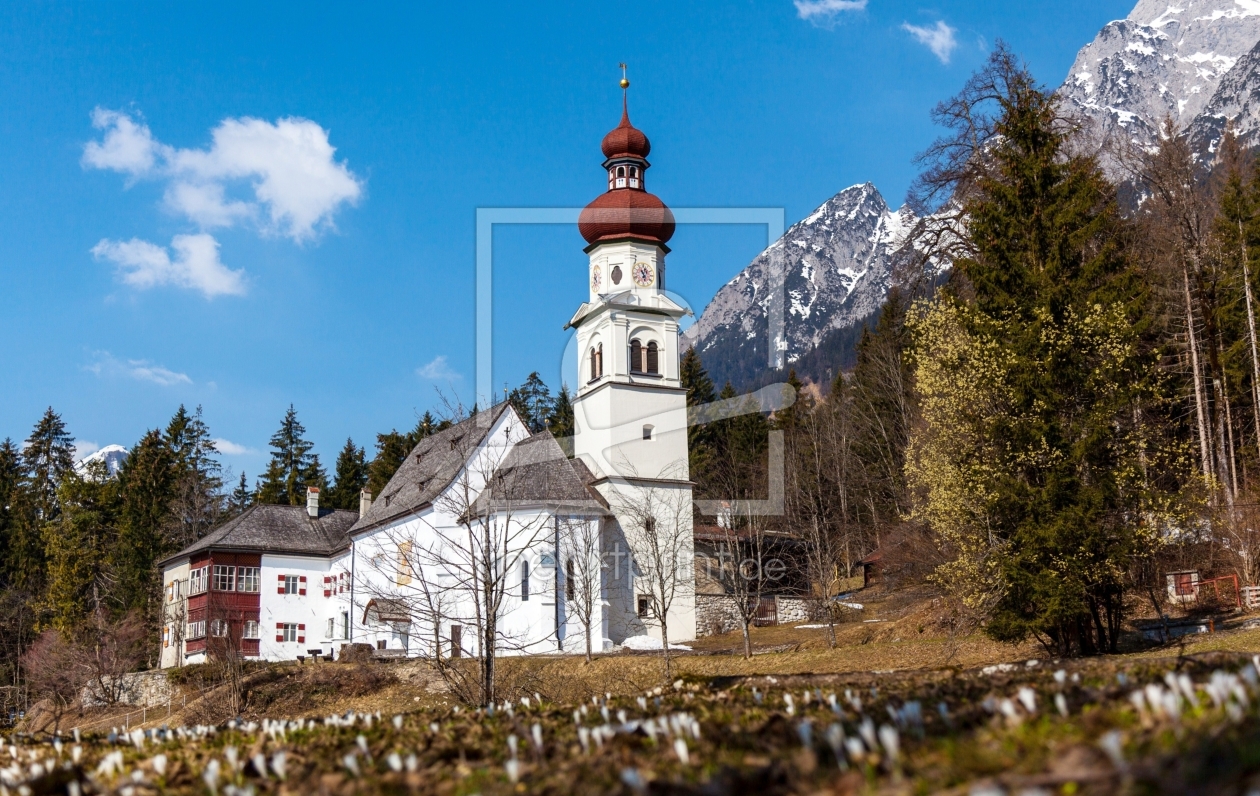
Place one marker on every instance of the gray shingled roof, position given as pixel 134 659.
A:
pixel 429 468
pixel 278 529
pixel 536 472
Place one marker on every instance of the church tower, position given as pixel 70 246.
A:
pixel 630 408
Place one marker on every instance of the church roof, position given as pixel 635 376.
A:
pixel 625 140
pixel 536 472
pixel 277 529
pixel 430 467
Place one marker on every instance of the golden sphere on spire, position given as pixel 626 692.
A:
pixel 625 83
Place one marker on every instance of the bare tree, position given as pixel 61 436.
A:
pixel 460 565
pixel 657 522
pixel 53 674
pixel 582 565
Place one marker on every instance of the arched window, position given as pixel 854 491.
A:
pixel 653 365
pixel 634 177
pixel 594 366
pixel 524 580
pixel 636 354
pixel 621 177
pixel 621 171
pixel 647 432
pixel 599 360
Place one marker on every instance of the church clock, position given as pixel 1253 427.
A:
pixel 643 274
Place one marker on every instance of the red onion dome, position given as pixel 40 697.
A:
pixel 626 212
pixel 625 140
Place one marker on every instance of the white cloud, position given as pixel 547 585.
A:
pixel 283 176
pixel 231 448
pixel 107 364
pixel 437 370
pixel 824 13
pixel 195 264
pixel 83 449
pixel 939 38
pixel 128 146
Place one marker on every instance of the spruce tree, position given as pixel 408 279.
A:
pixel 292 468
pixel 561 422
pixel 77 545
pixel 148 484
pixel 533 402
pixel 10 485
pixel 197 500
pixel 392 449
pixel 700 436
pixel 242 497
pixel 351 477
pixel 46 458
pixel 1051 308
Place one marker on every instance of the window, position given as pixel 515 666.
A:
pixel 287 632
pixel 636 356
pixel 569 586
pixel 345 624
pixel 166 636
pixel 291 584
pixel 218 628
pixel 647 432
pixel 248 579
pixel 332 629
pixel 645 606
pixel 599 359
pixel 197 581
pixel 251 629
pixel 653 359
pixel 524 580
pixel 197 629
pixel 224 578
pixel 380 643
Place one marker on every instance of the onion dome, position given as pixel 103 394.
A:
pixel 625 140
pixel 626 210
pixel 626 213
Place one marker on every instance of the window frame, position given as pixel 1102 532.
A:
pixel 247 575
pixel 255 626
pixel 223 578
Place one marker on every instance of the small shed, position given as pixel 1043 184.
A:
pixel 1183 586
pixel 872 569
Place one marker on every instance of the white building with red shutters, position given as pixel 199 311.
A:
pixel 278 582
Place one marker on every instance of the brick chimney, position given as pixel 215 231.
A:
pixel 365 501
pixel 312 501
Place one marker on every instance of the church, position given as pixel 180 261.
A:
pixel 488 534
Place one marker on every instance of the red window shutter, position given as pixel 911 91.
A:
pixel 280 637
pixel 301 634
pixel 302 585
pixel 280 590
pixel 327 586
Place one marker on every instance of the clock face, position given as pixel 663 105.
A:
pixel 643 274
pixel 597 279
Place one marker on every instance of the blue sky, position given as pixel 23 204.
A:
pixel 247 205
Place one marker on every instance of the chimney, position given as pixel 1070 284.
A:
pixel 365 501
pixel 312 501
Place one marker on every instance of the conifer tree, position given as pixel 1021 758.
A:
pixel 392 449
pixel 197 500
pixel 46 458
pixel 700 436
pixel 10 485
pixel 77 545
pixel 242 497
pixel 1046 470
pixel 148 484
pixel 351 477
pixel 293 467
pixel 561 421
pixel 533 402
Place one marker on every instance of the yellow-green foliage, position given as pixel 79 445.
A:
pixel 952 461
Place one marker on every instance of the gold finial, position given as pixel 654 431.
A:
pixel 624 83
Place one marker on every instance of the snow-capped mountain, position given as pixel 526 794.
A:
pixel 1194 61
pixel 1164 60
pixel 112 455
pixel 836 268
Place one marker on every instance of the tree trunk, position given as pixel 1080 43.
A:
pixel 1205 457
pixel 747 641
pixel 1251 333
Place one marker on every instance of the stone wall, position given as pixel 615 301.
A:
pixel 715 613
pixel 140 689
pixel 791 610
